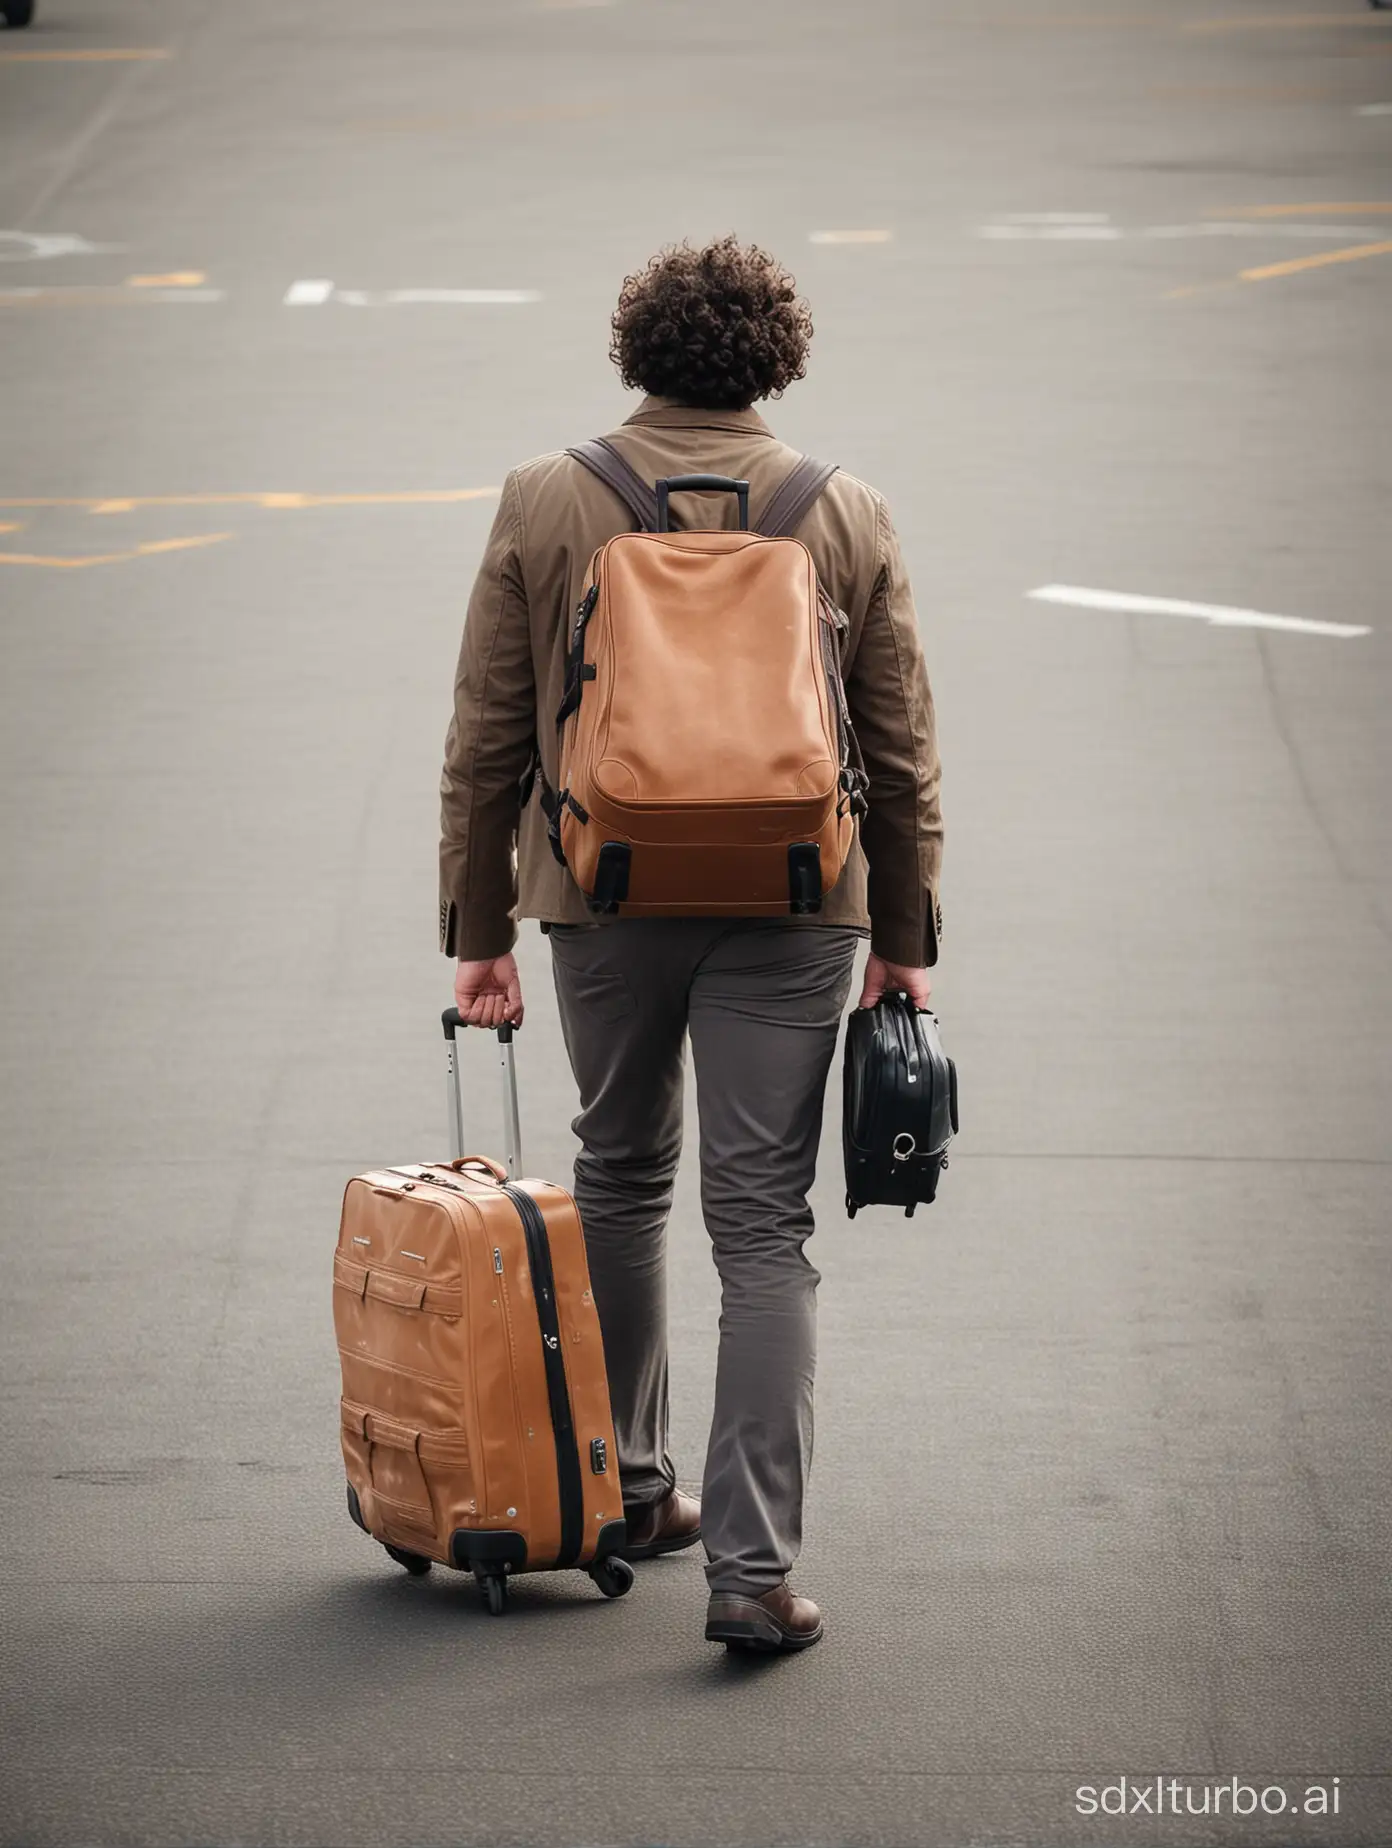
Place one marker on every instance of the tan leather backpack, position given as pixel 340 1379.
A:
pixel 707 761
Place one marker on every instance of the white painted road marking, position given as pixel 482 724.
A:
pixel 849 237
pixel 1376 109
pixel 1219 614
pixel 1064 227
pixel 316 292
pixel 470 298
pixel 307 294
pixel 1246 228
pixel 35 246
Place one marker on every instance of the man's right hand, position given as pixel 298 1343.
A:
pixel 488 993
pixel 887 978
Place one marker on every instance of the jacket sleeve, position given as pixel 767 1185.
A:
pixel 892 710
pixel 487 750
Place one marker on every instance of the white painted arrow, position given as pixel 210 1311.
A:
pixel 1219 614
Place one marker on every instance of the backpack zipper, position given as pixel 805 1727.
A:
pixel 834 626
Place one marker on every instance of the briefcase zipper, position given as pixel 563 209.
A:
pixel 908 1039
pixel 568 1474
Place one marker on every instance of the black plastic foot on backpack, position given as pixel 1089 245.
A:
pixel 804 878
pixel 611 878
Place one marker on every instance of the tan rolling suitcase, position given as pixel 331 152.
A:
pixel 475 1414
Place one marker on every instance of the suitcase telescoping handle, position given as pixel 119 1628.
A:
pixel 454 1094
pixel 720 484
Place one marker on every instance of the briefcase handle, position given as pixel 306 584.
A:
pixel 695 484
pixel 452 1022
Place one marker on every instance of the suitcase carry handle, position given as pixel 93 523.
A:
pixel 719 484
pixel 452 1022
pixel 486 1162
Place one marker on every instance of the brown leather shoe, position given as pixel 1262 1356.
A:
pixel 662 1527
pixel 776 1621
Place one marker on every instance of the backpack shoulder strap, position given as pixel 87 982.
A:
pixel 791 500
pixel 601 458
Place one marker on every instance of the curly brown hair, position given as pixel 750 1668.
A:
pixel 716 327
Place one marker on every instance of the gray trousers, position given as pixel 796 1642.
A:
pixel 762 1002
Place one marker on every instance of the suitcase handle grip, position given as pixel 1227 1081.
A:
pixel 720 484
pixel 452 1020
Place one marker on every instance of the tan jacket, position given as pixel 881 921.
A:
pixel 552 517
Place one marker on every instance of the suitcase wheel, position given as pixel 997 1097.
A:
pixel 493 1585
pixel 614 1576
pixel 415 1563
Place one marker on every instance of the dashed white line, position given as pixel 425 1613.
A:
pixel 1220 615
pixel 1064 230
pixel 1064 227
pixel 314 292
pixel 850 237
pixel 1055 218
pixel 466 298
pixel 307 294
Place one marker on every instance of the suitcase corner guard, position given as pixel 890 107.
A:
pixel 355 1510
pixel 497 1550
pixel 613 1538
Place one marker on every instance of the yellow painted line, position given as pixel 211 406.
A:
pixel 11 526
pixel 152 546
pixel 1267 272
pixel 1381 207
pixel 1354 254
pixel 279 502
pixel 111 558
pixel 176 279
pixel 1282 22
pixel 110 55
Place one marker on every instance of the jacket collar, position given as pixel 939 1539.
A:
pixel 666 413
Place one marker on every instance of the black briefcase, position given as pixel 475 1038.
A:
pixel 900 1106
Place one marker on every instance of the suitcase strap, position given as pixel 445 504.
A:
pixel 382 1286
pixel 377 1428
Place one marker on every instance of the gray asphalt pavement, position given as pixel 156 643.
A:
pixel 1102 1478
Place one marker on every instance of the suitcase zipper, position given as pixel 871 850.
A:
pixel 568 1474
